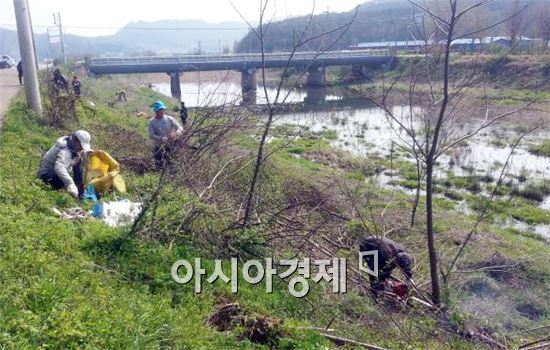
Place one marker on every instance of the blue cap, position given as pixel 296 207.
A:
pixel 158 105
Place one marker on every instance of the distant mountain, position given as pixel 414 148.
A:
pixel 180 36
pixel 381 20
pixel 140 37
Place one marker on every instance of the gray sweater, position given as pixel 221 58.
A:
pixel 159 128
pixel 59 160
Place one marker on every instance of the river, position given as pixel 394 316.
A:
pixel 365 130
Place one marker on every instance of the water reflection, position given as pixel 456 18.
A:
pixel 541 229
pixel 365 130
pixel 218 94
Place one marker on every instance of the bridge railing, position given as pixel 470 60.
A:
pixel 231 58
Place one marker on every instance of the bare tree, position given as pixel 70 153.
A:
pixel 302 40
pixel 433 122
pixel 480 18
pixel 515 25
pixel 543 24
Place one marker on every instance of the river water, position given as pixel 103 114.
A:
pixel 365 130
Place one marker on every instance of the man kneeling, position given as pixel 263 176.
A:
pixel 65 157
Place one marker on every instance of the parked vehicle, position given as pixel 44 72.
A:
pixel 6 62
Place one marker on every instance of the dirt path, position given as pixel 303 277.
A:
pixel 8 88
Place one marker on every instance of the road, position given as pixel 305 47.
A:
pixel 9 85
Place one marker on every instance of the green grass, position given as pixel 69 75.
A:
pixel 534 191
pixel 71 285
pixel 469 183
pixel 531 215
pixel 330 134
pixel 519 209
pixel 81 285
pixel 541 149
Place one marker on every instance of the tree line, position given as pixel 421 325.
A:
pixel 391 20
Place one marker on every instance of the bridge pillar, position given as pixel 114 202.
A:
pixel 316 76
pixel 175 87
pixel 315 95
pixel 249 86
pixel 358 71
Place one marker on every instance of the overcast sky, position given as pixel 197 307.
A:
pixel 103 17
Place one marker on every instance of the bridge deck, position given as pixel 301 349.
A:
pixel 241 62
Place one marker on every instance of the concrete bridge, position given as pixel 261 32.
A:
pixel 247 64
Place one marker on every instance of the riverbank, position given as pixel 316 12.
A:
pixel 469 170
pixel 502 80
pixel 111 287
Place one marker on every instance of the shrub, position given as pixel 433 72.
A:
pixel 495 65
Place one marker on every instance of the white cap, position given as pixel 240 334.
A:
pixel 84 138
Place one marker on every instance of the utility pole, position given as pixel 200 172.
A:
pixel 28 56
pixel 33 43
pixel 57 21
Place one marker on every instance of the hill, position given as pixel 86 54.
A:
pixel 381 20
pixel 138 37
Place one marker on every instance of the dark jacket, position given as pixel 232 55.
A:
pixel 76 86
pixel 59 80
pixel 183 114
pixel 390 256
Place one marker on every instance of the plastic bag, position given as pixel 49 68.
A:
pixel 117 213
pixel 103 172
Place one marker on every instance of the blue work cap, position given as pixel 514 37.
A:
pixel 158 105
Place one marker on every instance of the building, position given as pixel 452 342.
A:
pixel 407 45
pixel 464 45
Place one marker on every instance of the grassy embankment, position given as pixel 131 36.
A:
pixel 68 285
pixel 65 284
pixel 503 79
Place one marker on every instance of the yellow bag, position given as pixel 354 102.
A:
pixel 103 172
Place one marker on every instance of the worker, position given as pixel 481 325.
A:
pixel 121 95
pixel 20 72
pixel 163 129
pixel 76 86
pixel 390 256
pixel 64 157
pixel 183 113
pixel 59 80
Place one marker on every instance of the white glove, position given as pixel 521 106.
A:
pixel 72 190
pixel 164 139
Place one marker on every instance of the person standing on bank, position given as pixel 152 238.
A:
pixel 76 86
pixel 59 80
pixel 183 113
pixel 162 130
pixel 66 156
pixel 20 72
